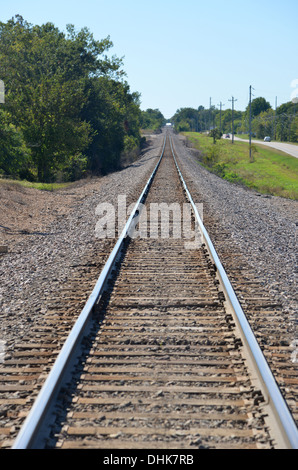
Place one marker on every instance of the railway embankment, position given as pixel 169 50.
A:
pixel 50 240
pixel 55 265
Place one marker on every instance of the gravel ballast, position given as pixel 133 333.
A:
pixel 262 228
pixel 59 235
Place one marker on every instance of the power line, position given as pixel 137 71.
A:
pixel 274 136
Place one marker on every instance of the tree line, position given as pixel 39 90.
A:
pixel 68 109
pixel 280 124
pixel 152 119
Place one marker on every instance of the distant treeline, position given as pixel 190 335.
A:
pixel 280 124
pixel 68 109
pixel 152 119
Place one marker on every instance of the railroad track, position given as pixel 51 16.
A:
pixel 161 355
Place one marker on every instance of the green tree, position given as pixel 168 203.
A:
pixel 47 74
pixel 263 124
pixel 186 119
pixel 258 105
pixel 293 134
pixel 113 113
pixel 14 154
pixel 152 119
pixel 215 134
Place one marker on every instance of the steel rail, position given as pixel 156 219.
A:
pixel 288 432
pixel 29 431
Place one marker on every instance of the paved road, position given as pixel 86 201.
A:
pixel 287 148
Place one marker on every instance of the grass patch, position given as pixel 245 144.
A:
pixel 39 186
pixel 272 172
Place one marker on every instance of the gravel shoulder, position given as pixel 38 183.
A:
pixel 262 229
pixel 49 235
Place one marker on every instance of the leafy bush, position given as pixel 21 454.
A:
pixel 14 154
pixel 212 155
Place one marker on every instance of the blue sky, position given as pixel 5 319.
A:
pixel 182 53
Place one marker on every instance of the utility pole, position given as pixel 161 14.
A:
pixel 220 115
pixel 233 99
pixel 274 136
pixel 250 158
